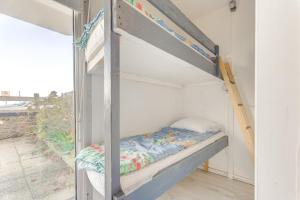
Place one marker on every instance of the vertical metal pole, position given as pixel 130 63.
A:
pixel 83 106
pixel 111 103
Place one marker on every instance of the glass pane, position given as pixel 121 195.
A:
pixel 37 131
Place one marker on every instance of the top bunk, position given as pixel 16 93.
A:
pixel 158 42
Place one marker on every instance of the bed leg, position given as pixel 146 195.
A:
pixel 205 166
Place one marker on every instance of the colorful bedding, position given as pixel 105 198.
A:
pixel 88 28
pixel 140 151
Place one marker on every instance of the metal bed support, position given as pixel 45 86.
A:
pixel 111 103
pixel 175 15
pixel 217 51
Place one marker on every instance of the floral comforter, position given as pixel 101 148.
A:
pixel 140 151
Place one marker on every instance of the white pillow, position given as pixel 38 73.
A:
pixel 197 124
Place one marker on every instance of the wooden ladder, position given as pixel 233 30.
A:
pixel 238 106
pixel 239 109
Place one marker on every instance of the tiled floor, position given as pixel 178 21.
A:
pixel 29 172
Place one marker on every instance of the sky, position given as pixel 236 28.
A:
pixel 34 59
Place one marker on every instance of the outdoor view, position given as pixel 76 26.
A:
pixel 37 131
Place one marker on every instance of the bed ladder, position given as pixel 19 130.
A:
pixel 238 106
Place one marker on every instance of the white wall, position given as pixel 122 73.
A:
pixel 209 101
pixel 147 108
pixel 277 99
pixel 234 33
pixel 144 107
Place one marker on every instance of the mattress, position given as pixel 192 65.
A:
pixel 134 180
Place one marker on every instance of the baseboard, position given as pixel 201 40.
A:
pixel 243 179
pixel 218 172
pixel 235 177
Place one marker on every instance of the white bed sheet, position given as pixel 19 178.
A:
pixel 134 180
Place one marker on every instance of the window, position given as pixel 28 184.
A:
pixel 37 128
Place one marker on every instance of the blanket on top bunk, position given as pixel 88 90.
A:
pixel 89 27
pixel 137 152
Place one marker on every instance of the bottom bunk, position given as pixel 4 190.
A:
pixel 147 161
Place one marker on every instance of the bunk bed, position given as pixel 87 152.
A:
pixel 94 46
pixel 171 42
pixel 127 26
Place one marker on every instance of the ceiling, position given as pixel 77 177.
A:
pixel 54 16
pixel 44 13
pixel 197 8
